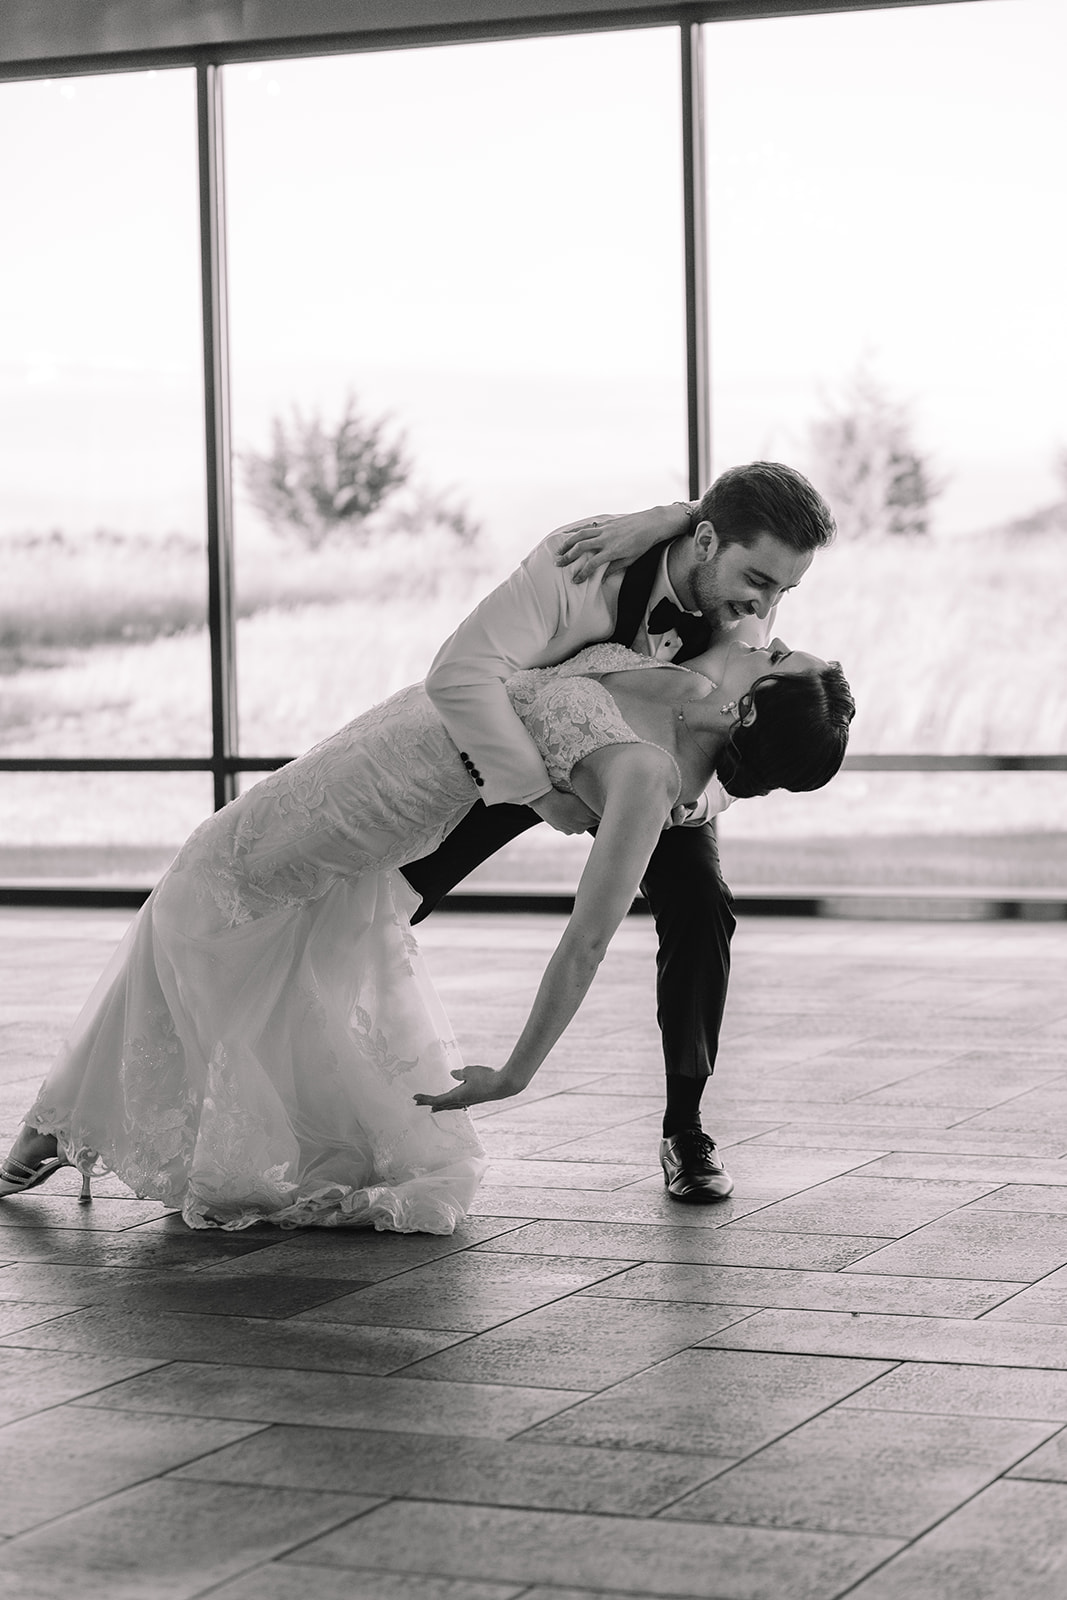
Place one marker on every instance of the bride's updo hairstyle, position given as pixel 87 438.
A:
pixel 798 737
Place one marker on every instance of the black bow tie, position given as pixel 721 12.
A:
pixel 694 632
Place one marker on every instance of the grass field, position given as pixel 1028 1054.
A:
pixel 953 647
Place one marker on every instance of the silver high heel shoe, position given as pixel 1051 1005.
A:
pixel 16 1176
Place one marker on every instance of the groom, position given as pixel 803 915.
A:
pixel 701 573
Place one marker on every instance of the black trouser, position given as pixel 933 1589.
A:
pixel 691 905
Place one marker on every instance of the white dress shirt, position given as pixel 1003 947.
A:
pixel 660 646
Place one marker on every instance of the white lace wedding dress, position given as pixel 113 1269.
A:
pixel 251 1052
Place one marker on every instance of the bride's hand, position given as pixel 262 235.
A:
pixel 597 542
pixel 476 1085
pixel 584 546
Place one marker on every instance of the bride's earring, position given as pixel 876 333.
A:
pixel 729 708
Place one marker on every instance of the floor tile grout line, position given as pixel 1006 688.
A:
pixel 570 1294
pixel 925 1360
pixel 282 1555
pixel 111 1494
pixel 841 1404
pixel 746 1305
pixel 537 1585
pixel 1036 1283
pixel 416 1498
pixel 925 1534
pixel 250 1367
pixel 830 1406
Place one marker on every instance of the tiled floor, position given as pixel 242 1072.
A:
pixel 849 1379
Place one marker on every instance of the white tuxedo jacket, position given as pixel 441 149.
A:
pixel 536 618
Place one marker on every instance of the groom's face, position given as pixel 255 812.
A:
pixel 732 581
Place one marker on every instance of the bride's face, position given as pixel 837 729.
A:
pixel 747 664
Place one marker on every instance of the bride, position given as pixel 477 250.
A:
pixel 265 1044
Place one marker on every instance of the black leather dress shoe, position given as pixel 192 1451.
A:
pixel 692 1168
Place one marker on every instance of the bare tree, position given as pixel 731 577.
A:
pixel 868 464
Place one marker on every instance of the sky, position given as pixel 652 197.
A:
pixel 485 242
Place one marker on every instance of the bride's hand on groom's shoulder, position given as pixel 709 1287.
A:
pixel 600 541
pixel 586 545
pixel 476 1085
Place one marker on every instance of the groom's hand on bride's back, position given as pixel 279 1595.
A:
pixel 564 812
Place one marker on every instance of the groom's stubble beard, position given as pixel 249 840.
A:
pixel 712 603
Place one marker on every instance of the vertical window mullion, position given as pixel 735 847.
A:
pixel 698 378
pixel 217 430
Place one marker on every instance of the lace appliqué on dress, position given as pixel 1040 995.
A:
pixel 568 714
pixel 161 1110
pixel 382 791
pixel 244 1156
pixel 376 1047
pixel 151 1138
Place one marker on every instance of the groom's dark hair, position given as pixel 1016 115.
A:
pixel 766 497
pixel 798 738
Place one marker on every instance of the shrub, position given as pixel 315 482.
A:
pixel 868 466
pixel 316 481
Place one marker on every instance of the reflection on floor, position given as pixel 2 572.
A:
pixel 849 1378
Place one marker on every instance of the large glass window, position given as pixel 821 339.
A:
pixel 103 645
pixel 120 828
pixel 455 282
pixel 469 243
pixel 888 254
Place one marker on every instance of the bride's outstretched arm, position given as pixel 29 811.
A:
pixel 640 785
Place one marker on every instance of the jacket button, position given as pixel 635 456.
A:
pixel 480 782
